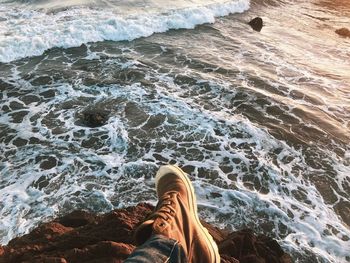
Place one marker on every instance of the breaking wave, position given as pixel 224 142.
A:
pixel 33 29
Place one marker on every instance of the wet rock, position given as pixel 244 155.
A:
pixel 5 108
pixel 130 75
pixel 28 99
pixel 94 119
pixel 154 121
pixel 88 237
pixel 343 209
pixel 14 94
pixel 160 158
pixel 34 140
pixel 41 183
pixel 18 116
pixel 5 86
pixel 58 130
pixel 146 83
pixel 257 24
pixel 135 114
pixel 188 169
pixel 218 132
pixel 77 51
pixel 14 105
pixel 48 94
pixel 226 168
pixel 42 80
pixel 94 142
pixel 47 163
pixel 344 32
pixel 215 195
pixel 19 142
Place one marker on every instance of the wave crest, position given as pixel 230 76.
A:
pixel 29 32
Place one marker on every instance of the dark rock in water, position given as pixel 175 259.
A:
pixel 48 164
pixel 41 183
pixel 154 121
pixel 28 99
pixel 19 142
pixel 88 237
pixel 18 116
pixel 93 143
pixel 33 140
pixel 43 80
pixel 135 114
pixel 215 195
pixel 48 94
pixel 344 32
pixel 94 119
pixel 14 105
pixel 256 24
pixel 5 86
pixel 343 209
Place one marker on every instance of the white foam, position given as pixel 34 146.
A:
pixel 31 32
pixel 25 206
pixel 80 182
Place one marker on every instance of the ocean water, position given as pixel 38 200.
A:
pixel 259 121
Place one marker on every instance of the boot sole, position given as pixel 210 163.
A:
pixel 166 169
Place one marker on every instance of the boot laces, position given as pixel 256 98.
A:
pixel 166 205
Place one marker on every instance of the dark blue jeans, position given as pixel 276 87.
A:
pixel 158 249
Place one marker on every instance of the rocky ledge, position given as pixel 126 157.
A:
pixel 90 238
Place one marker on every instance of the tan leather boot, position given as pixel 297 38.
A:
pixel 176 217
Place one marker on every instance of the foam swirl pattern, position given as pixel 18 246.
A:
pixel 259 121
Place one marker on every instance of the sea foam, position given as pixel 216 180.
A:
pixel 31 31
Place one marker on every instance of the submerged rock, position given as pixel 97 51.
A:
pixel 94 119
pixel 256 23
pixel 344 32
pixel 88 237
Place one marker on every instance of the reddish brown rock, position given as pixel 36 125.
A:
pixel 344 32
pixel 89 238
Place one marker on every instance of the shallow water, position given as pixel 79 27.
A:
pixel 260 121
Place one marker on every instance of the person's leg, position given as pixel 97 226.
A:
pixel 175 218
pixel 158 249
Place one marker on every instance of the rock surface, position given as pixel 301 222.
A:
pixel 344 32
pixel 256 23
pixel 90 238
pixel 94 119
